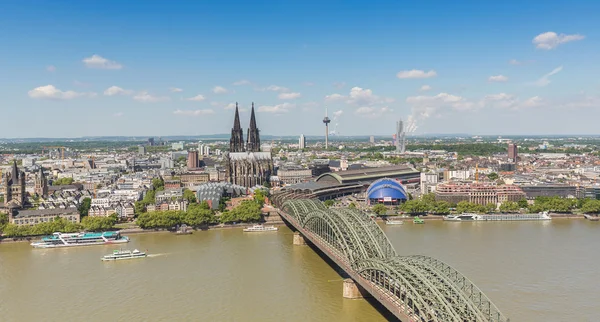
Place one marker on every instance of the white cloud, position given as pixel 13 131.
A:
pixel 275 88
pixel 242 82
pixel 335 97
pixel 175 90
pixel 52 93
pixel 197 98
pixel 194 112
pixel 508 101
pixel 279 108
pixel 51 68
pixel 289 96
pixel 365 97
pixel 415 73
pixel 372 112
pixel 97 61
pixel 338 113
pixel 149 98
pixel 498 78
pixel 425 88
pixel 116 90
pixel 550 40
pixel 426 106
pixel 118 114
pixel 339 85
pixel 520 62
pixel 219 90
pixel 545 80
pixel 230 106
pixel 532 102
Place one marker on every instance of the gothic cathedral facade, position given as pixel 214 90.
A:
pixel 246 165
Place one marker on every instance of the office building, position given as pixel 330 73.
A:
pixel 302 142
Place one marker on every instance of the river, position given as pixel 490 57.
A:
pixel 533 271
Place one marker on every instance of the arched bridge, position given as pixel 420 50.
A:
pixel 413 288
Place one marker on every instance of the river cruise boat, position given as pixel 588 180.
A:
pixel 394 222
pixel 511 217
pixel 463 217
pixel 80 239
pixel 418 220
pixel 260 228
pixel 124 254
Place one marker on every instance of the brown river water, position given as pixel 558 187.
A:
pixel 533 271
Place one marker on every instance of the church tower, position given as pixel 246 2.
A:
pixel 14 186
pixel 253 144
pixel 236 143
pixel 41 184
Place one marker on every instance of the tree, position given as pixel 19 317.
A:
pixel 522 203
pixel 204 205
pixel 591 207
pixel 509 206
pixel 197 216
pixel 415 206
pixel 259 197
pixel 158 184
pixel 99 223
pixel 328 203
pixel 85 206
pixel 62 181
pixel 493 176
pixel 3 221
pixel 379 209
pixel 352 205
pixel 189 196
pixel 465 206
pixel 441 208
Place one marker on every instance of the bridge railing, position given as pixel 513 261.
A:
pixel 420 287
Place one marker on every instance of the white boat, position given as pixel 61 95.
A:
pixel 509 217
pixel 463 217
pixel 260 228
pixel 124 254
pixel 80 239
pixel 394 222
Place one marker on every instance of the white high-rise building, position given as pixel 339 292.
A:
pixel 400 137
pixel 302 142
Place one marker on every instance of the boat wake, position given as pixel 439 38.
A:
pixel 157 255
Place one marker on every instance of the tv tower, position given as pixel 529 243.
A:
pixel 326 120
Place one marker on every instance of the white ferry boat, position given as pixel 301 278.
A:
pixel 394 222
pixel 124 254
pixel 259 228
pixel 80 239
pixel 463 217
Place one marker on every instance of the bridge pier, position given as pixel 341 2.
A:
pixel 299 239
pixel 351 290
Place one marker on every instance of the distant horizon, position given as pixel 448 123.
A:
pixel 225 136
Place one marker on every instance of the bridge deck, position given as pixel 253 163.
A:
pixel 413 288
pixel 393 305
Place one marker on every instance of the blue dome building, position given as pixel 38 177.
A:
pixel 386 191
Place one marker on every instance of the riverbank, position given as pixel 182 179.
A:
pixel 137 230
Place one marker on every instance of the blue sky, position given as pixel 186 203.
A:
pixel 80 68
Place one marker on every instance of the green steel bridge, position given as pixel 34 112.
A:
pixel 413 288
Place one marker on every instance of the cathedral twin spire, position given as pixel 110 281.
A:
pixel 236 143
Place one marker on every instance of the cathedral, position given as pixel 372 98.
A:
pixel 246 165
pixel 14 187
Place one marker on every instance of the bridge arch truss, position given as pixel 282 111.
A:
pixel 424 288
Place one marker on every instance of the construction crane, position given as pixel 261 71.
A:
pixel 62 150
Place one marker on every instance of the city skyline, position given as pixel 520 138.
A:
pixel 485 69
